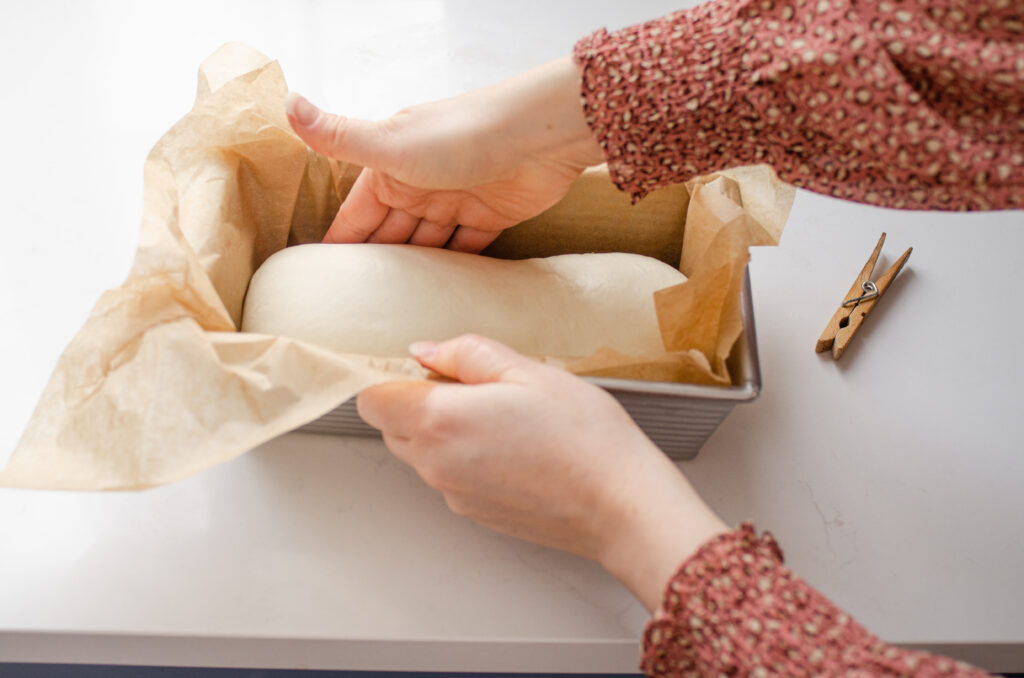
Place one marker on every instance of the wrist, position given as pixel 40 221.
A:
pixel 541 110
pixel 661 521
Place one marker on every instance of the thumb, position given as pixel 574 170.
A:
pixel 356 141
pixel 471 359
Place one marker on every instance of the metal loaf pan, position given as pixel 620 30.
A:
pixel 679 418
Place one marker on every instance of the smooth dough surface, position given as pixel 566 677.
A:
pixel 376 299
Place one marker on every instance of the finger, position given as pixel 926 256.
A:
pixel 360 215
pixel 401 447
pixel 431 234
pixel 472 359
pixel 397 226
pixel 362 142
pixel 394 407
pixel 473 240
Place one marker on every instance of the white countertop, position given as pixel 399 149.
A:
pixel 892 478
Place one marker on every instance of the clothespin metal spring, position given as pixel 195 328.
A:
pixel 870 292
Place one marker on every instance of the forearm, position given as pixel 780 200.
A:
pixel 733 608
pixel 884 103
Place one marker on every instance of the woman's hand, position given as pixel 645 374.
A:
pixel 532 451
pixel 456 172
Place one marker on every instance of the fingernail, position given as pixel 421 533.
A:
pixel 423 350
pixel 300 109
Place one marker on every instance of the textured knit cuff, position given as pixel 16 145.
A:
pixel 734 609
pixel 702 608
pixel 886 103
pixel 659 97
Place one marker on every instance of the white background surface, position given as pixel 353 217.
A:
pixel 892 478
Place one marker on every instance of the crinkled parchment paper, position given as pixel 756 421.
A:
pixel 159 384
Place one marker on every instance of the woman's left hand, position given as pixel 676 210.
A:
pixel 455 172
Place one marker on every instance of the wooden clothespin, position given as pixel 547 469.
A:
pixel 859 301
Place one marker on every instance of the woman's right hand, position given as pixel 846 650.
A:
pixel 533 451
pixel 456 172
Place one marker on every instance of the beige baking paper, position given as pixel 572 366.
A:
pixel 159 385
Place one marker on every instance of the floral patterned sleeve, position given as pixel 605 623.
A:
pixel 915 104
pixel 733 609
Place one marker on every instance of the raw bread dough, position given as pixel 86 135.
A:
pixel 376 299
